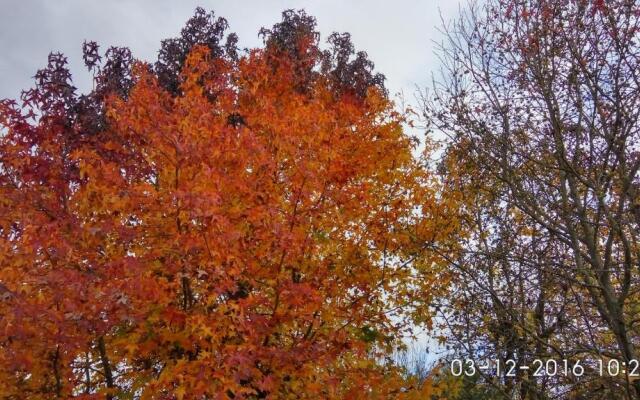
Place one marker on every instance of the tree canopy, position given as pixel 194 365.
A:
pixel 219 224
pixel 227 223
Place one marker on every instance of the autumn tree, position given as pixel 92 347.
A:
pixel 218 225
pixel 540 102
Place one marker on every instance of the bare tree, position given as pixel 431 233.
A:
pixel 540 100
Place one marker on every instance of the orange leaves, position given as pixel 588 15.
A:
pixel 229 238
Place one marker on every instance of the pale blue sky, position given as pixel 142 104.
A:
pixel 398 35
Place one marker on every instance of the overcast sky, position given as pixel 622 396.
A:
pixel 398 35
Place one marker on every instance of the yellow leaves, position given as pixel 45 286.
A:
pixel 206 331
pixel 180 392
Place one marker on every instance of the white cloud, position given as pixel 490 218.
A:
pixel 397 35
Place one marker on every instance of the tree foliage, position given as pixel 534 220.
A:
pixel 540 102
pixel 217 225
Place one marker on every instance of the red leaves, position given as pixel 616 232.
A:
pixel 599 6
pixel 182 248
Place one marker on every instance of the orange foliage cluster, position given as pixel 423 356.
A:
pixel 242 239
